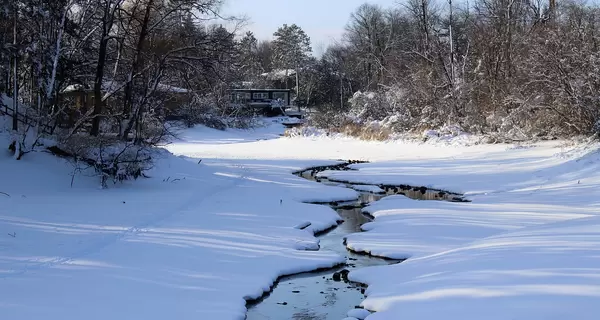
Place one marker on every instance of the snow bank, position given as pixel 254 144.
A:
pixel 404 228
pixel 196 239
pixel 476 171
pixel 543 272
pixel 193 241
pixel 536 213
pixel 368 188
pixel 517 193
pixel 358 313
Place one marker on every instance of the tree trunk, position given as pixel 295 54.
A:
pixel 452 70
pixel 552 10
pixel 98 87
pixel 107 23
pixel 297 86
pixel 15 118
pixel 128 105
pixel 341 92
pixel 55 59
pixel 425 22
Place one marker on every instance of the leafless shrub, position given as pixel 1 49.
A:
pixel 200 110
pixel 109 157
pixel 508 69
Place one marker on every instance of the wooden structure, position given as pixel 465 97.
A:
pixel 24 119
pixel 270 101
pixel 75 101
pixel 79 99
pixel 281 79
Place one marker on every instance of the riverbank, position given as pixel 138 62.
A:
pixel 197 239
pixel 191 241
pixel 515 190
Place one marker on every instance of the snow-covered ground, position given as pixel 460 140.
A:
pixel 190 242
pixel 523 249
pixel 194 240
pixel 549 271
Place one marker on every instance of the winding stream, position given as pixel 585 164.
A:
pixel 328 295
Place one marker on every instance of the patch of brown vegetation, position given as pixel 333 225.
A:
pixel 363 132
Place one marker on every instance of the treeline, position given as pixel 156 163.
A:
pixel 96 74
pixel 513 68
pixel 104 76
pixel 124 50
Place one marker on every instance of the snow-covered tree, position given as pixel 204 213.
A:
pixel 249 60
pixel 291 49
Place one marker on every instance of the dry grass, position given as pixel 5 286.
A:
pixel 363 132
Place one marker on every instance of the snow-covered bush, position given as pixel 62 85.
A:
pixel 387 108
pixel 33 127
pixel 444 133
pixel 110 158
pixel 210 111
pixel 243 122
pixel 327 117
pixel 306 131
pixel 199 110
pixel 596 129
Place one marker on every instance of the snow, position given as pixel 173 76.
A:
pixel 543 272
pixel 72 87
pixel 197 238
pixel 523 249
pixel 192 241
pixel 404 228
pixel 169 88
pixel 471 174
pixel 279 74
pixel 368 188
pixel 358 313
pixel 111 85
pixel 293 120
pixel 190 139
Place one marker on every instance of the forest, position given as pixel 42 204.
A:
pixel 106 77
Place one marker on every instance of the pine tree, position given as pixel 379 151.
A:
pixel 291 49
pixel 250 66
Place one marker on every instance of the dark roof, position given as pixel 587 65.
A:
pixel 262 90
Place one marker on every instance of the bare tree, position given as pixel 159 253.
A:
pixel 107 17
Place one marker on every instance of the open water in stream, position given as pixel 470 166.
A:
pixel 320 295
pixel 327 295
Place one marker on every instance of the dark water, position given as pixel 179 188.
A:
pixel 317 295
pixel 326 295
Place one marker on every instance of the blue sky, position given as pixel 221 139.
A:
pixel 322 20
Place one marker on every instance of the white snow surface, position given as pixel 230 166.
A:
pixel 194 240
pixel 190 242
pixel 523 249
pixel 404 228
pixel 545 272
pixel 358 313
pixel 367 188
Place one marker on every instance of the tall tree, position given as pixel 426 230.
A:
pixel 250 66
pixel 107 17
pixel 371 33
pixel 291 49
pixel 265 55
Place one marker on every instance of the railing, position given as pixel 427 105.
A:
pixel 26 120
